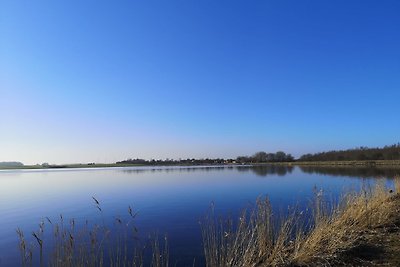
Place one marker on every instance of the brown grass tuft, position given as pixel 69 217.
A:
pixel 90 244
pixel 262 240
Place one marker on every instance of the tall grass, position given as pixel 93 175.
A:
pixel 318 235
pixel 261 238
pixel 254 239
pixel 64 243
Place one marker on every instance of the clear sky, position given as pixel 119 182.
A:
pixel 101 81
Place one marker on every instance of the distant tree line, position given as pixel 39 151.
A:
pixel 264 157
pixel 259 157
pixel 192 161
pixel 362 153
pixel 11 164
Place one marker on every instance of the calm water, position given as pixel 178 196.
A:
pixel 170 200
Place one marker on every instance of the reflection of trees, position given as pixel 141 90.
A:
pixel 264 170
pixel 361 172
pixel 271 170
pixel 260 170
pixel 133 170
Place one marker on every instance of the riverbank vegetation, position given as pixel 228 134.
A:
pixel 69 242
pixel 388 155
pixel 173 162
pixel 362 155
pixel 356 154
pixel 11 164
pixel 259 157
pixel 361 228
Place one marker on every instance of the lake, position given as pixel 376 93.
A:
pixel 169 200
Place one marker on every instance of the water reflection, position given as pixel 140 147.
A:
pixel 171 199
pixel 265 170
pixel 259 170
pixel 174 169
pixel 280 170
pixel 353 171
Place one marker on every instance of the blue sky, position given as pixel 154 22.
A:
pixel 101 81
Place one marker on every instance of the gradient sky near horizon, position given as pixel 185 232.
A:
pixel 101 81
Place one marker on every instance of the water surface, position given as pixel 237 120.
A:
pixel 170 200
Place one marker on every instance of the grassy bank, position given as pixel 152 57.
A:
pixel 362 229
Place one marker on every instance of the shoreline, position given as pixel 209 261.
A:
pixel 369 163
pixel 353 163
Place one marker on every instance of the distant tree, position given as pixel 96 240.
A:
pixel 11 164
pixel 280 156
pixel 362 156
pixel 260 157
pixel 271 157
pixel 243 159
pixel 289 157
pixel 378 156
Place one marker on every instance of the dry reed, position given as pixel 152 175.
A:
pixel 261 239
pixel 90 244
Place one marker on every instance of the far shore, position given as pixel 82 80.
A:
pixel 364 163
pixel 346 163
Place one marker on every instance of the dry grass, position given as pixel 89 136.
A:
pixel 67 244
pixel 258 238
pixel 261 239
pixel 397 185
pixel 356 214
